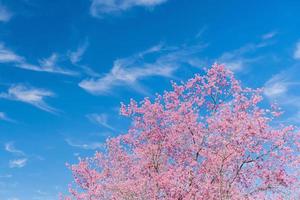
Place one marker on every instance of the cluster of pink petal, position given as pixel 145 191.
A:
pixel 207 139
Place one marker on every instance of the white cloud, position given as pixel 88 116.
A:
pixel 101 119
pixel 279 85
pixel 85 146
pixel 4 117
pixel 8 56
pixel 45 65
pixel 76 56
pixel 18 163
pixel 50 65
pixel 21 158
pixel 5 14
pixel 30 95
pixel 103 7
pixel 297 51
pixel 9 147
pixel 276 89
pixel 88 71
pixel 234 65
pixel 238 59
pixel 283 88
pixel 273 89
pixel 129 71
pixel 121 74
pixel 6 176
pixel 269 35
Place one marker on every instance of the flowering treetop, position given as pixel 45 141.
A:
pixel 208 138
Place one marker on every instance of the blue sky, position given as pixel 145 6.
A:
pixel 67 65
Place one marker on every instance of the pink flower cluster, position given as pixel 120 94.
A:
pixel 207 139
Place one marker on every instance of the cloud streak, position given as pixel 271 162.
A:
pixel 21 158
pixel 10 147
pixel 85 146
pixel 238 59
pixel 100 119
pixel 76 56
pixel 269 35
pixel 130 70
pixel 283 88
pixel 297 51
pixel 4 117
pixel 45 65
pixel 29 95
pixel 18 163
pixel 5 14
pixel 8 56
pixel 100 8
pixel 278 86
pixel 6 176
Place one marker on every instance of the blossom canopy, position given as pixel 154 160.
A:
pixel 208 138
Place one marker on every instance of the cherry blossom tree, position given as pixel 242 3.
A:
pixel 208 139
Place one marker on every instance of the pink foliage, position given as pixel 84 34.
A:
pixel 206 139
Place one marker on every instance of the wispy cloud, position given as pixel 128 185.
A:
pixel 283 88
pixel 10 147
pixel 297 51
pixel 50 64
pixel 6 176
pixel 45 65
pixel 85 146
pixel 269 35
pixel 277 86
pixel 4 117
pixel 5 14
pixel 76 56
pixel 100 119
pixel 30 95
pixel 8 56
pixel 20 157
pixel 130 70
pixel 99 8
pixel 280 84
pixel 18 163
pixel 238 59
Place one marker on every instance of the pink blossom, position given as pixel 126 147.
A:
pixel 207 139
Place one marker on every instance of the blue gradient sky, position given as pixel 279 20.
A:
pixel 65 66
